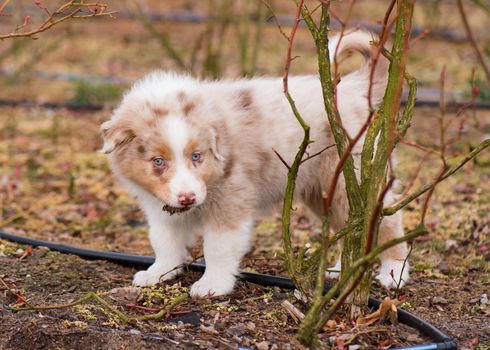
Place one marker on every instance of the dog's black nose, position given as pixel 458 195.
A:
pixel 187 198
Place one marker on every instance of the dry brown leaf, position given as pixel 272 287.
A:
pixel 331 325
pixel 387 309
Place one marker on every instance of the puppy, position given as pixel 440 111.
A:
pixel 198 156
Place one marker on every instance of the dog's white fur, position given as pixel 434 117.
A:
pixel 234 126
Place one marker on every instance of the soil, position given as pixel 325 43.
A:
pixel 55 186
pixel 83 206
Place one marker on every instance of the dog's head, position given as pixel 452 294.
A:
pixel 153 141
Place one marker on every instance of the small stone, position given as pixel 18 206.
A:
pixel 450 244
pixel 443 267
pixel 263 345
pixel 71 289
pixel 134 331
pixel 237 330
pixel 439 300
pixel 439 307
pixel 190 318
pixel 354 347
pixel 483 299
pixel 250 326
pixel 412 338
pixel 40 252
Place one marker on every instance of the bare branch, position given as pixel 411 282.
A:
pixel 472 40
pixel 282 159
pixel 75 11
pixel 317 153
pixel 407 200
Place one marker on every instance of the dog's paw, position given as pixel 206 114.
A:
pixel 153 276
pixel 334 271
pixel 146 278
pixel 212 286
pixel 393 274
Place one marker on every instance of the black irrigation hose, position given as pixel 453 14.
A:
pixel 441 340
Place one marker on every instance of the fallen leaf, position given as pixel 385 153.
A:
pixel 27 252
pixel 129 293
pixel 387 310
pixel 331 324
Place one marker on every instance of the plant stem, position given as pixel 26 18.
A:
pixel 407 200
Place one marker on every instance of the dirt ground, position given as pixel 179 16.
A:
pixel 55 186
pixel 81 205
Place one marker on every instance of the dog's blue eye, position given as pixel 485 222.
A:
pixel 196 157
pixel 159 162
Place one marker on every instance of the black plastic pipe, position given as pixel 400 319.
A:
pixel 441 340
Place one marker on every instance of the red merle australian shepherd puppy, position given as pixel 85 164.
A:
pixel 198 156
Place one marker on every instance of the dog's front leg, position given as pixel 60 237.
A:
pixel 169 242
pixel 223 251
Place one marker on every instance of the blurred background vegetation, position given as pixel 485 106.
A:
pixel 92 61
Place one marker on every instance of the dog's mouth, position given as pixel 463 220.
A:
pixel 173 210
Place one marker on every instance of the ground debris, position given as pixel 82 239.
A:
pixel 127 294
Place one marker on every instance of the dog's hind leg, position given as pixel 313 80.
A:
pixel 340 207
pixel 394 270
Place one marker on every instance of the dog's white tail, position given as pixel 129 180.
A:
pixel 363 42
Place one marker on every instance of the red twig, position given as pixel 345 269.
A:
pixel 144 308
pixel 282 159
pixel 297 19
pixel 442 154
pixel 341 35
pixel 2 7
pixel 316 154
pixel 373 222
pixel 74 9
pixel 419 37
pixel 385 30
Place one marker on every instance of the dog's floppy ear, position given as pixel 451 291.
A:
pixel 214 144
pixel 116 133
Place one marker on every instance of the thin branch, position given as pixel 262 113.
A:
pixel 358 268
pixel 375 216
pixel 407 200
pixel 294 168
pixel 74 7
pixel 2 7
pixel 472 40
pixel 282 159
pixel 317 153
pixel 271 10
pixel 297 19
pixel 122 316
